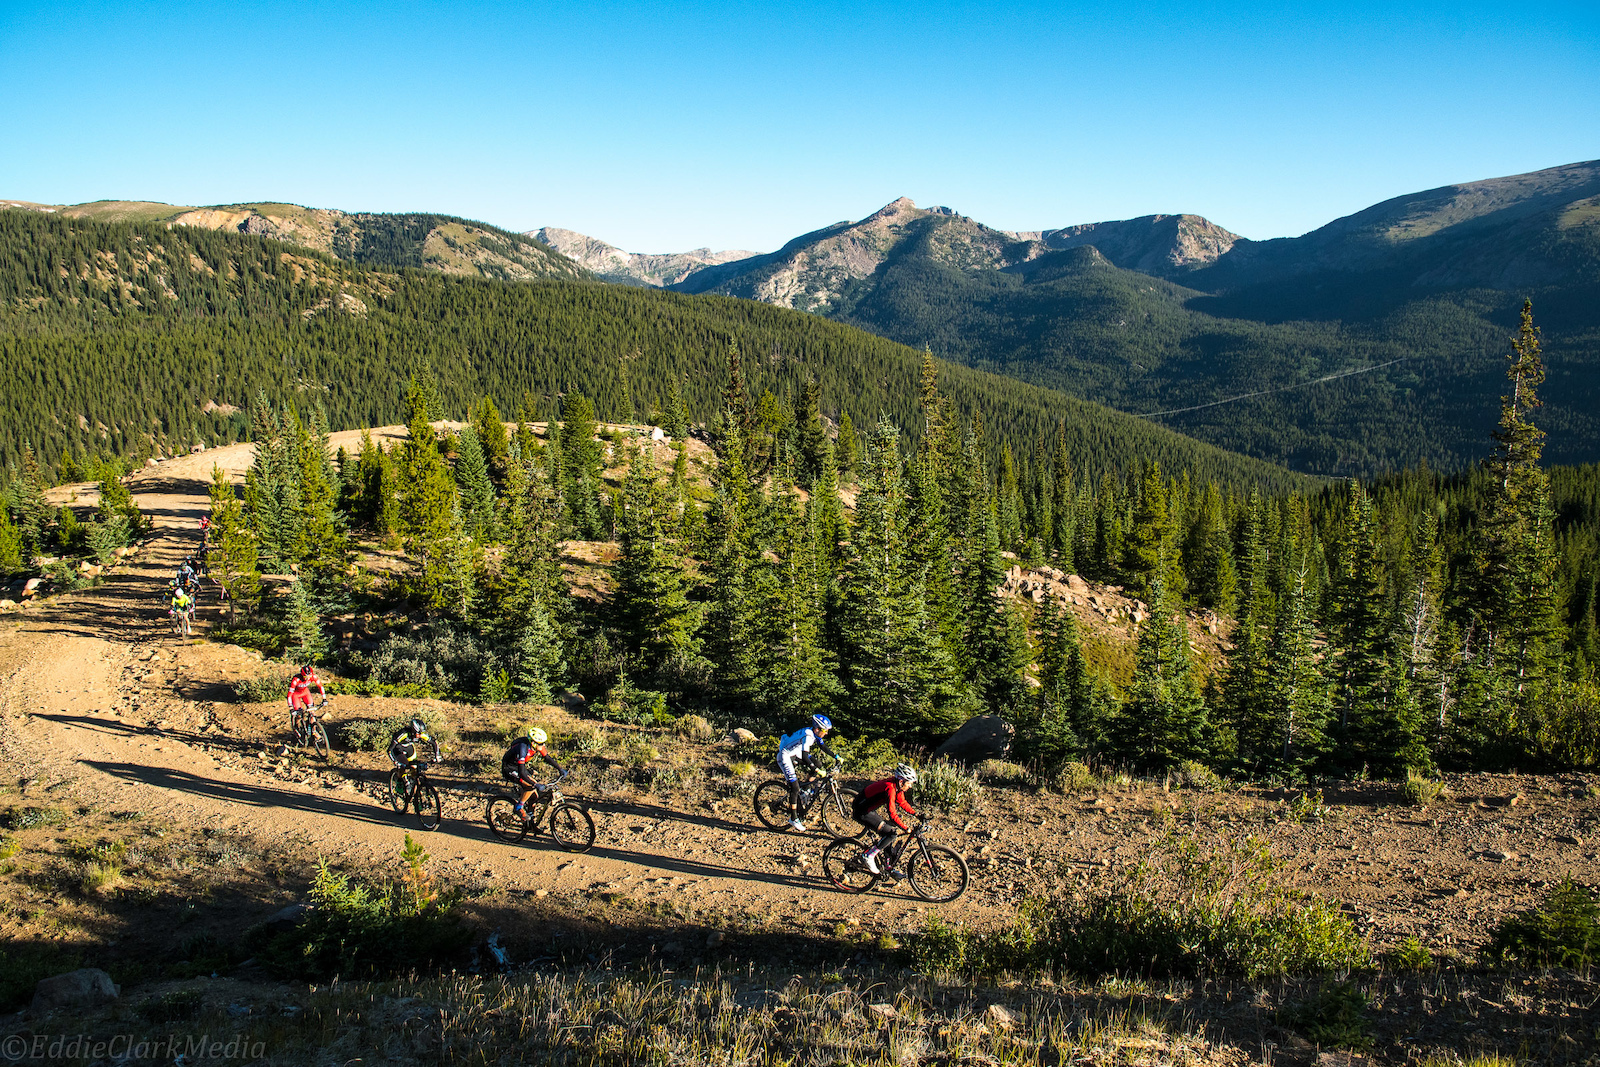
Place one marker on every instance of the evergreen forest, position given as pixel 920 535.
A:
pixel 844 551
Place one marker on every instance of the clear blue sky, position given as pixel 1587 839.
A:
pixel 665 126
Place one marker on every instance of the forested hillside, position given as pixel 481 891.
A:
pixel 129 338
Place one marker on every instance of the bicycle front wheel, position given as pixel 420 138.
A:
pixel 937 873
pixel 772 805
pixel 504 822
pixel 319 740
pixel 572 827
pixel 398 791
pixel 430 812
pixel 834 811
pixel 844 866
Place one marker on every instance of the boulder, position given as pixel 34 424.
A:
pixel 76 989
pixel 658 434
pixel 284 918
pixel 573 702
pixel 984 737
pixel 8 605
pixel 739 735
pixel 31 587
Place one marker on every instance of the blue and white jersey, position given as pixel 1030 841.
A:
pixel 798 743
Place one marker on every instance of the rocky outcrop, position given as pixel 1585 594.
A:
pixel 74 991
pixel 634 268
pixel 981 738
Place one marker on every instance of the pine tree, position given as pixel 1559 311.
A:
pixel 1513 605
pixel 811 445
pixel 582 456
pixel 11 556
pixel 475 487
pixel 1358 634
pixel 898 680
pixel 1164 721
pixel 1062 542
pixel 733 565
pixel 430 521
pixel 1073 706
pixel 846 450
pixel 541 667
pixel 234 559
pixel 1213 578
pixel 796 674
pixel 651 607
pixel 29 506
pixel 675 415
pixel 490 429
pixel 307 643
pixel 319 540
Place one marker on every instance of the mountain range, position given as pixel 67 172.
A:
pixel 1374 341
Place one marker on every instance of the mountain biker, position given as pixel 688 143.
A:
pixel 404 746
pixel 887 793
pixel 186 572
pixel 182 602
pixel 205 528
pixel 798 746
pixel 514 764
pixel 300 688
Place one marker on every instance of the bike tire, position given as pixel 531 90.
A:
pixel 843 867
pixel 937 874
pixel 429 809
pixel 399 795
pixel 834 814
pixel 319 740
pixel 572 827
pixel 772 805
pixel 504 822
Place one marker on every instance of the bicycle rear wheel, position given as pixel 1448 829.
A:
pixel 939 876
pixel 430 812
pixel 842 865
pixel 399 792
pixel 504 822
pixel 319 740
pixel 572 827
pixel 772 805
pixel 835 814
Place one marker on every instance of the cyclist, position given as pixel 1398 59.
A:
pixel 186 573
pixel 797 747
pixel 182 602
pixel 886 794
pixel 300 689
pixel 404 746
pixel 205 529
pixel 514 764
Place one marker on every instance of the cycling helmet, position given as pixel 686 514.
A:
pixel 537 735
pixel 906 773
pixel 822 722
pixel 305 669
pixel 417 728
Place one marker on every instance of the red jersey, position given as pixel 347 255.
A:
pixel 887 794
pixel 300 689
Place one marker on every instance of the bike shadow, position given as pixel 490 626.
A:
pixel 254 796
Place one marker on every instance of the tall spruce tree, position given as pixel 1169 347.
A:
pixel 651 607
pixel 582 457
pixel 475 487
pixel 1164 720
pixel 1358 632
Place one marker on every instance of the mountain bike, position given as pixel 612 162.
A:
pixel 568 821
pixel 305 726
pixel 409 785
pixel 936 873
pixel 831 801
pixel 182 621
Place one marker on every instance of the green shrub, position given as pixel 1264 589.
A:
pixel 31 818
pixel 497 688
pixel 374 735
pixel 642 753
pixel 696 728
pixel 1000 772
pixel 262 689
pixel 1192 775
pixel 632 706
pixel 364 929
pixel 267 641
pixel 1307 806
pixel 1564 931
pixel 1334 1017
pixel 366 687
pixel 741 768
pixel 1409 955
pixel 1187 910
pixel 946 786
pixel 765 749
pixel 1074 778
pixel 861 756
pixel 1419 790
pixel 586 741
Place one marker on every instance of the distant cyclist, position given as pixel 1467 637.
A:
pixel 300 689
pixel 514 765
pixel 405 748
pixel 796 748
pixel 205 529
pixel 182 602
pixel 887 794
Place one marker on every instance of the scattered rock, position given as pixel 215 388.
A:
pixel 739 735
pixel 1001 1017
pixel 31 587
pixel 8 605
pixel 1497 857
pixel 82 988
pixel 1568 839
pixel 983 737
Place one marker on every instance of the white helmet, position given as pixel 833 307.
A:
pixel 906 773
